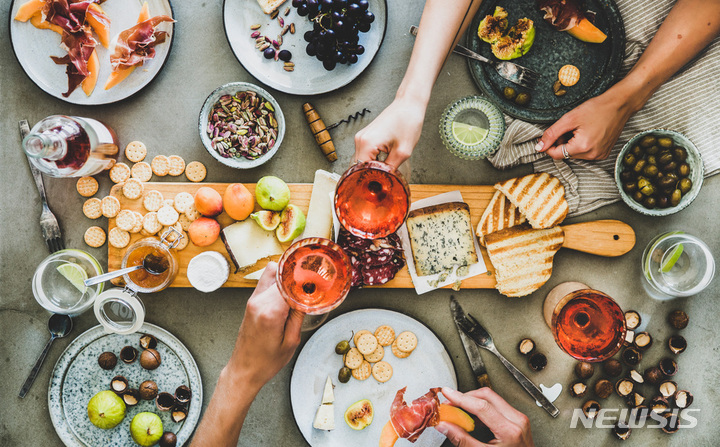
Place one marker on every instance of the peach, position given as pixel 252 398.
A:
pixel 204 231
pixel 208 202
pixel 238 201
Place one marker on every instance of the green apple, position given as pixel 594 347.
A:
pixel 272 193
pixel 146 428
pixel 106 410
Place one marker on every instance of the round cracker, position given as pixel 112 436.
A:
pixel 183 242
pixel 142 171
pixel 95 237
pixel 195 171
pixel 87 186
pixel 125 220
pixel 167 215
pixel 110 206
pixel 367 343
pixel 138 223
pixel 118 238
pixel 171 236
pixel 192 213
pixel 397 352
pixel 363 371
pixel 353 358
pixel 184 221
pixel 160 165
pixel 151 224
pixel 169 202
pixel 177 165
pixel 358 334
pixel 382 371
pixel 153 200
pixel 91 208
pixel 119 173
pixel 569 75
pixel 133 189
pixel 385 335
pixel 135 151
pixel 376 355
pixel 406 341
pixel 183 200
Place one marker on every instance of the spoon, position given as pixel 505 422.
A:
pixel 153 264
pixel 59 326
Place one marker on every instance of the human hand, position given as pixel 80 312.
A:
pixel 510 427
pixel 269 333
pixel 395 131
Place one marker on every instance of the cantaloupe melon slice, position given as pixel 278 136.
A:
pixel 448 413
pixel 587 32
pixel 29 9
pixel 388 437
pixel 118 76
pixel 102 30
pixel 39 23
pixel 93 65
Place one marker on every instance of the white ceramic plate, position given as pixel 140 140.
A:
pixel 33 48
pixel 77 377
pixel 309 77
pixel 428 366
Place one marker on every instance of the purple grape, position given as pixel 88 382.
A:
pixel 269 53
pixel 284 55
pixel 368 17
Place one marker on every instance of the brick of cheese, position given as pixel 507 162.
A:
pixel 441 237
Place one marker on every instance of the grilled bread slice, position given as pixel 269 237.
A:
pixel 268 6
pixel 441 237
pixel 522 257
pixel 540 197
pixel 499 214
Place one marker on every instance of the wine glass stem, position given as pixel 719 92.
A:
pixel 312 322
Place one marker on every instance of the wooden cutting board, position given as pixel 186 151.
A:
pixel 606 238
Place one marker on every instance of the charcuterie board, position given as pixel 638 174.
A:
pixel 606 238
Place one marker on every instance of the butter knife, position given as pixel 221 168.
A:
pixel 482 338
pixel 473 353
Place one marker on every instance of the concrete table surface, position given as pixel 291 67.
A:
pixel 164 116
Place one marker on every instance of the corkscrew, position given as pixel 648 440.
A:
pixel 320 130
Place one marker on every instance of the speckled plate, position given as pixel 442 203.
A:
pixel 598 63
pixel 428 366
pixel 77 377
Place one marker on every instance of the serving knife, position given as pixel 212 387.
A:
pixel 474 330
pixel 473 353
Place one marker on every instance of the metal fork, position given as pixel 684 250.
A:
pixel 483 339
pixel 48 222
pixel 512 72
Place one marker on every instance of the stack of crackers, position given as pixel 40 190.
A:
pixel 162 213
pixel 366 357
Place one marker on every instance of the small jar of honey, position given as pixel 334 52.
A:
pixel 160 251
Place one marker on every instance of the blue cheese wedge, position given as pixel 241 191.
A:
pixel 441 237
pixel 325 415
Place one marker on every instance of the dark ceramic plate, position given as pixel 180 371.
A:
pixel 599 64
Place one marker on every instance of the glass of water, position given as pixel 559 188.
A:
pixel 58 282
pixel 677 264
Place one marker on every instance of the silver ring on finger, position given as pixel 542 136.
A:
pixel 565 153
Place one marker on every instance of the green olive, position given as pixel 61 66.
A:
pixel 344 374
pixel 638 196
pixel 652 150
pixel 522 99
pixel 680 154
pixel 663 202
pixel 664 158
pixel 639 165
pixel 647 141
pixel 684 170
pixel 685 185
pixel 650 170
pixel 665 142
pixel 629 159
pixel 637 151
pixel 627 175
pixel 642 182
pixel 649 202
pixel 651 159
pixel 648 190
pixel 342 347
pixel 667 183
pixel 509 93
pixel 675 197
pixel 630 187
pixel 670 167
pixel 671 175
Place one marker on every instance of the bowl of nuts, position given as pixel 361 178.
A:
pixel 241 125
pixel 659 172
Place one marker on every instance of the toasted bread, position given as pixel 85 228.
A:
pixel 522 257
pixel 499 214
pixel 268 6
pixel 540 197
pixel 441 237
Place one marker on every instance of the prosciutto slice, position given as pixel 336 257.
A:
pixel 563 14
pixel 409 421
pixel 79 46
pixel 67 15
pixel 137 44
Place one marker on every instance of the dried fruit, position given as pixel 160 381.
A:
pixel 107 360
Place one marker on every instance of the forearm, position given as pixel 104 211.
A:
pixel 690 27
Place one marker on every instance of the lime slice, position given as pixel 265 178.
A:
pixel 467 134
pixel 670 260
pixel 75 274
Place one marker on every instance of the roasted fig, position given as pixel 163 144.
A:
pixel 492 27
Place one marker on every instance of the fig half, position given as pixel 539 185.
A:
pixel 359 415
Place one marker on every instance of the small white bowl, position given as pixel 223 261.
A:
pixel 231 89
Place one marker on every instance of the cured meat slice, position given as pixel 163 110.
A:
pixel 67 15
pixel 137 44
pixel 80 46
pixel 563 14
pixel 374 276
pixel 409 421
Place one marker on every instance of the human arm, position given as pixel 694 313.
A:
pixel 510 427
pixel 596 124
pixel 397 129
pixel 268 337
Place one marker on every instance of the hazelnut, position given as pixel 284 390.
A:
pixel 668 389
pixel 147 341
pixel 119 384
pixel 578 389
pixel 148 390
pixel 183 395
pixel 659 405
pixel 629 338
pixel 678 319
pixel 526 346
pixel 624 387
pixel 590 409
pixel 671 423
pixel 612 367
pixel 636 377
pixel 128 354
pixel 164 401
pixel 677 344
pixel 584 370
pixel 131 397
pixel 635 400
pixel 683 399
pixel 150 359
pixel 643 341
pixel 168 439
pixel 631 356
pixel 668 367
pixel 537 361
pixel 621 430
pixel 107 360
pixel 632 320
pixel 178 413
pixel 653 375
pixel 603 388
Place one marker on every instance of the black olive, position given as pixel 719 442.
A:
pixel 522 99
pixel 685 185
pixel 652 150
pixel 649 202
pixel 680 154
pixel 627 176
pixel 684 169
pixel 675 197
pixel 629 159
pixel 639 165
pixel 648 140
pixel 670 166
pixel 638 196
pixel 630 187
pixel 664 158
pixel 650 170
pixel 637 151
pixel 665 142
pixel 663 202
pixel 667 183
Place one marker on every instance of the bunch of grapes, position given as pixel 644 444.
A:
pixel 336 25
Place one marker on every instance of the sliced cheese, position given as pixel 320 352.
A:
pixel 255 276
pixel 325 417
pixel 319 220
pixel 247 243
pixel 328 395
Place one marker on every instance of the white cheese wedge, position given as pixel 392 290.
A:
pixel 325 417
pixel 319 220
pixel 255 276
pixel 247 243
pixel 208 271
pixel 328 395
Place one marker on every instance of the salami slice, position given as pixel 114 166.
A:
pixel 376 276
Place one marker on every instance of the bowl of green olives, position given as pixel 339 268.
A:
pixel 659 172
